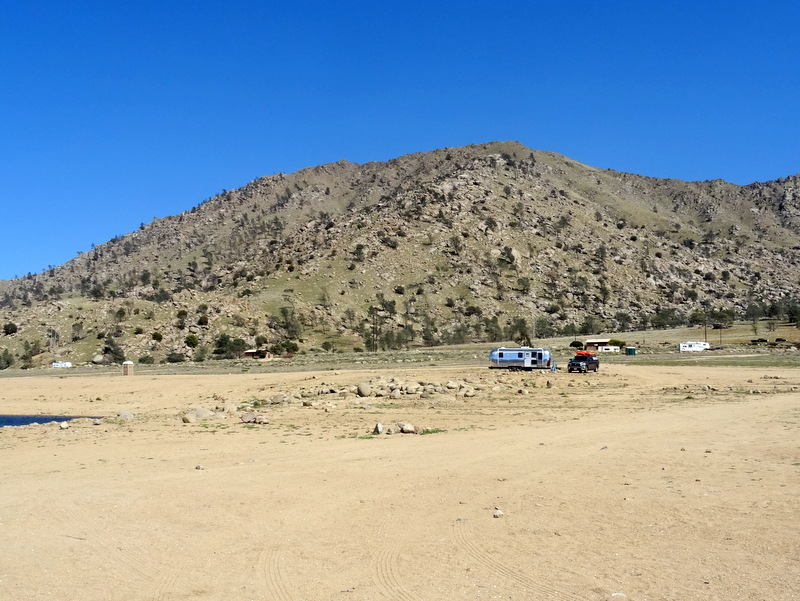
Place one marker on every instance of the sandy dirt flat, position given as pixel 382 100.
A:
pixel 641 483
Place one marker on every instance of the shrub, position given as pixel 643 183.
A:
pixel 191 341
pixel 10 328
pixel 615 342
pixel 285 347
pixel 6 359
pixel 113 350
pixel 176 358
pixel 226 347
pixel 157 336
pixel 576 344
pixel 146 360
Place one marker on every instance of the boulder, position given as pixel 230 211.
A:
pixel 406 428
pixel 364 389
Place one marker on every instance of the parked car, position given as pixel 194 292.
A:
pixel 583 361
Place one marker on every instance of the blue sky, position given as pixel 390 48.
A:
pixel 112 113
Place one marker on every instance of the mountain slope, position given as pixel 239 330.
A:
pixel 455 244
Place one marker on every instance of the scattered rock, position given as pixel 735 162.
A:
pixel 63 425
pixel 406 428
pixel 364 389
pixel 196 414
pixel 378 429
pixel 125 416
pixel 498 513
pixel 254 418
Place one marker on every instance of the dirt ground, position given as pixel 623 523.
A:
pixel 640 483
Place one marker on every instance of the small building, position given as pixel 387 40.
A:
pixel 594 344
pixel 607 348
pixel 127 368
pixel 253 353
pixel 693 346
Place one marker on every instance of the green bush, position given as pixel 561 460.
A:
pixel 114 350
pixel 146 360
pixel 226 347
pixel 191 341
pixel 285 347
pixel 576 344
pixel 6 359
pixel 176 358
pixel 10 328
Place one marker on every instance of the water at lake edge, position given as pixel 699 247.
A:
pixel 27 420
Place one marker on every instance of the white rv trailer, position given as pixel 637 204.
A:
pixel 693 346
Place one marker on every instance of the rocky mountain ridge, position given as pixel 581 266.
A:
pixel 484 242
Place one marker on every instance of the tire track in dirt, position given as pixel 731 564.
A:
pixel 386 562
pixel 271 562
pixel 464 540
pixel 167 584
pixel 128 569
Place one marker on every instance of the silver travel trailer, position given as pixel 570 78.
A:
pixel 520 358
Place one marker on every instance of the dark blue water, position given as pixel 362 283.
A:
pixel 26 420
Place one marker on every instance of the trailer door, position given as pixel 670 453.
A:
pixel 527 359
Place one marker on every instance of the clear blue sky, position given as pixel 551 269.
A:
pixel 112 113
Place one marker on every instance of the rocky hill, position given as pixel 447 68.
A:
pixel 458 244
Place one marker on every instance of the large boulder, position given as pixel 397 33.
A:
pixel 406 428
